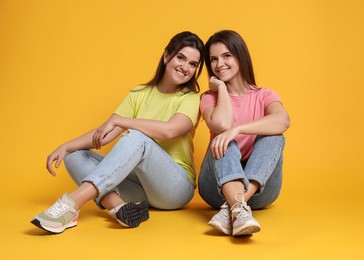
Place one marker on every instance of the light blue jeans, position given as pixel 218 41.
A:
pixel 136 168
pixel 264 166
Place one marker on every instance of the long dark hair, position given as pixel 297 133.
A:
pixel 238 48
pixel 178 42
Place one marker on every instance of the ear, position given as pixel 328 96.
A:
pixel 165 57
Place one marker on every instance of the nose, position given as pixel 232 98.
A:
pixel 219 62
pixel 184 66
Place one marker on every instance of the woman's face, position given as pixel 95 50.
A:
pixel 182 67
pixel 223 64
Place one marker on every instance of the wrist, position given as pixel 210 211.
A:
pixel 221 87
pixel 64 147
pixel 239 129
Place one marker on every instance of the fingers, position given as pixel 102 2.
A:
pixel 96 139
pixel 219 146
pixel 50 161
pixel 213 84
pixel 57 156
pixel 214 81
pixel 58 161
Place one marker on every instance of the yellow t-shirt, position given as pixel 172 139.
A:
pixel 149 103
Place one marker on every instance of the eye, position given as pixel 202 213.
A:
pixel 227 55
pixel 212 59
pixel 193 65
pixel 180 57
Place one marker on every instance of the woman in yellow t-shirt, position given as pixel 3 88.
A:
pixel 152 162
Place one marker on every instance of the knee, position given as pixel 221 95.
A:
pixel 69 157
pixel 136 136
pixel 233 150
pixel 271 140
pixel 75 156
pixel 136 133
pixel 280 138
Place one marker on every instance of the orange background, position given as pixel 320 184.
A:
pixel 66 65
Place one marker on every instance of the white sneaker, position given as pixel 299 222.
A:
pixel 58 217
pixel 222 220
pixel 242 219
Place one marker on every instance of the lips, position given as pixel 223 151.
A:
pixel 181 73
pixel 222 70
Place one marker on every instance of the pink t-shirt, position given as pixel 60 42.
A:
pixel 246 108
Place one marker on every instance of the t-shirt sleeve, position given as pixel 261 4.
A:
pixel 127 106
pixel 189 106
pixel 270 96
pixel 207 100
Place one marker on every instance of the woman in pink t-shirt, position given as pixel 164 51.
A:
pixel 242 168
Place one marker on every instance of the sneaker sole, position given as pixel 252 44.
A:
pixel 219 227
pixel 37 223
pixel 246 231
pixel 132 214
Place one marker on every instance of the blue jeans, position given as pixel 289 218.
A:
pixel 136 168
pixel 264 166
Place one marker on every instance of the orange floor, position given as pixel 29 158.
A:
pixel 65 66
pixel 294 227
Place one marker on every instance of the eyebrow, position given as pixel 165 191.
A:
pixel 228 52
pixel 180 53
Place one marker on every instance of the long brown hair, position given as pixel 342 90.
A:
pixel 238 48
pixel 178 42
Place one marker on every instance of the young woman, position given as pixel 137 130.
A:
pixel 243 165
pixel 152 162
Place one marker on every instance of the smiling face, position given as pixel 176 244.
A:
pixel 223 64
pixel 182 66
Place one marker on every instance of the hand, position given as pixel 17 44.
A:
pixel 57 155
pixel 101 132
pixel 215 83
pixel 221 142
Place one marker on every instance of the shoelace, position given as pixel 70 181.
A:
pixel 224 211
pixel 57 208
pixel 241 211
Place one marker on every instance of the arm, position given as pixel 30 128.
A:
pixel 176 126
pixel 276 121
pixel 219 118
pixel 82 142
